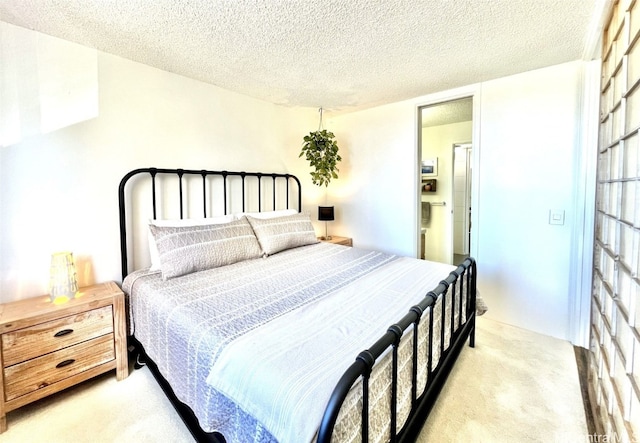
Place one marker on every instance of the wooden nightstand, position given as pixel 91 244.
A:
pixel 45 348
pixel 347 241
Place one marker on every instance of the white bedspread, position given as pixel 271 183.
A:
pixel 283 373
pixel 256 348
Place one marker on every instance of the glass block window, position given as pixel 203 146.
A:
pixel 614 362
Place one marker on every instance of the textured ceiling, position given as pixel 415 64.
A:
pixel 337 54
pixel 445 113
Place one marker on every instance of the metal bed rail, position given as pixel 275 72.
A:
pixel 465 275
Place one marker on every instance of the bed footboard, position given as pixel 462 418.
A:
pixel 459 285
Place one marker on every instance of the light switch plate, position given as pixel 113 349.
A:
pixel 556 217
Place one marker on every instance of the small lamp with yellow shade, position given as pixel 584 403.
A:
pixel 63 283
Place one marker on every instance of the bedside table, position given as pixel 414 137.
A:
pixel 45 348
pixel 347 241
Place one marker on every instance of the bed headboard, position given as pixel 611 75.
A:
pixel 158 193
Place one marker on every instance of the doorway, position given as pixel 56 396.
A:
pixel 445 227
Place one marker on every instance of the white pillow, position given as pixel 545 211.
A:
pixel 187 249
pixel 175 223
pixel 280 233
pixel 267 214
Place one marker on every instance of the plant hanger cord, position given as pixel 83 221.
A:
pixel 320 123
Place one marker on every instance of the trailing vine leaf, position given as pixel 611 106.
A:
pixel 321 150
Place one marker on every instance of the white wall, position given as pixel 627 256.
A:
pixel 376 195
pixel 530 126
pixel 58 190
pixel 526 136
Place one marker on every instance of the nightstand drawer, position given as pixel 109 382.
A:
pixel 43 338
pixel 37 373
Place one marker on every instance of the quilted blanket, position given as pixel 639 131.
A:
pixel 255 348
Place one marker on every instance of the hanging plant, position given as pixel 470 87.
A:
pixel 321 150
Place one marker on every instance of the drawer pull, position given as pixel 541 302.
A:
pixel 62 364
pixel 63 332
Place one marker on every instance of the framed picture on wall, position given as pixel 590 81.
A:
pixel 430 167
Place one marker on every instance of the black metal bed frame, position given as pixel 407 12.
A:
pixel 462 279
pixel 465 275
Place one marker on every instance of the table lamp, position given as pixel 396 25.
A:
pixel 63 283
pixel 325 214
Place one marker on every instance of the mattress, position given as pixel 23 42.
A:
pixel 255 348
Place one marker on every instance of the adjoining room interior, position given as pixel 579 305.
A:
pixel 445 140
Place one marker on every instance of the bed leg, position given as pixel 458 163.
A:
pixel 140 361
pixel 472 334
pixel 136 354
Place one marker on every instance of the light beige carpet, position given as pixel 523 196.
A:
pixel 100 410
pixel 515 386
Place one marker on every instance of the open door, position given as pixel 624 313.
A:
pixel 462 156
